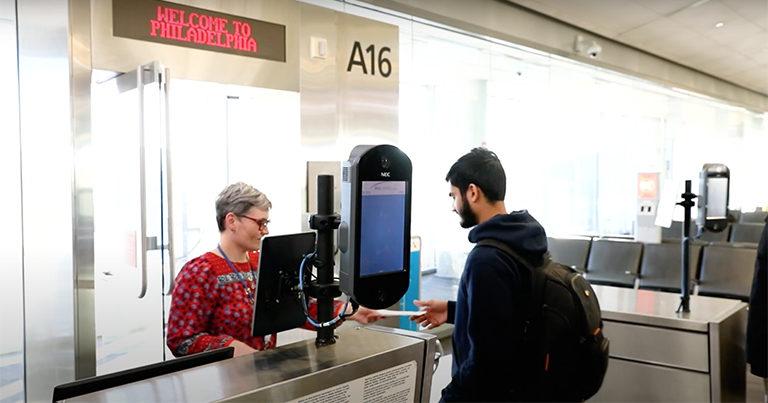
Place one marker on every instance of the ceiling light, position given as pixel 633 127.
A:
pixel 720 24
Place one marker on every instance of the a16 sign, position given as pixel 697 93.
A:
pixel 356 58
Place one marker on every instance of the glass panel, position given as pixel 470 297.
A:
pixel 199 164
pixel 128 329
pixel 198 168
pixel 224 140
pixel 562 129
pixel 237 134
pixel 11 298
pixel 264 151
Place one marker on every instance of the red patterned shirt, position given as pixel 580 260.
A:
pixel 210 308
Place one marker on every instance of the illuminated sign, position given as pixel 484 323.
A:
pixel 648 186
pixel 181 25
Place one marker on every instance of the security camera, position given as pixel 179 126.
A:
pixel 586 47
pixel 593 50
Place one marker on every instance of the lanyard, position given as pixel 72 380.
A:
pixel 240 275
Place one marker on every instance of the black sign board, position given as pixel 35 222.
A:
pixel 192 27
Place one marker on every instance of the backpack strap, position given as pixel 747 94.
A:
pixel 537 276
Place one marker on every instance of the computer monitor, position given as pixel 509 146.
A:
pixel 278 302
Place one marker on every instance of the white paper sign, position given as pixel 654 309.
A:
pixel 392 385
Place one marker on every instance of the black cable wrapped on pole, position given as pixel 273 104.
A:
pixel 325 289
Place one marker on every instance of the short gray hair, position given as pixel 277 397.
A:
pixel 238 198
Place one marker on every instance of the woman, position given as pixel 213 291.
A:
pixel 212 302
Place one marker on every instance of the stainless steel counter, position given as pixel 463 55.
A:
pixel 656 353
pixel 296 371
pixel 656 308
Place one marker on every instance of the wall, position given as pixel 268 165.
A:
pixel 342 106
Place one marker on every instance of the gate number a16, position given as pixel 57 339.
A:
pixel 356 59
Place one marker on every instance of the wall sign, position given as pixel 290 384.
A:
pixel 356 58
pixel 192 27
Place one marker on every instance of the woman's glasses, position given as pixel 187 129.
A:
pixel 263 223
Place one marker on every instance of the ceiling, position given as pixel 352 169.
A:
pixel 724 38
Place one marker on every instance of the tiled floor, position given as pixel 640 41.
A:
pixel 755 389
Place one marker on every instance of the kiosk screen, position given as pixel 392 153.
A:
pixel 382 227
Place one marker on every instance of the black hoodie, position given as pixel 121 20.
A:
pixel 488 313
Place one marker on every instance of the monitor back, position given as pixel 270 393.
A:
pixel 278 303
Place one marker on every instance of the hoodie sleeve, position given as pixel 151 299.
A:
pixel 451 312
pixel 489 329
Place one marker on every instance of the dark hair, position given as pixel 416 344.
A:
pixel 483 168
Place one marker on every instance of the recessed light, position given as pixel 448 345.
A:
pixel 720 24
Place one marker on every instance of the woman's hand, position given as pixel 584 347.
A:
pixel 241 348
pixel 436 313
pixel 366 316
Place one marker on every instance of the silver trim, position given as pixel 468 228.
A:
pixel 438 355
pixel 142 180
pixel 166 83
pixel 82 210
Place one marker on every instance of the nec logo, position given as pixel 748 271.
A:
pixel 386 174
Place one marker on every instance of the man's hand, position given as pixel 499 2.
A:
pixel 241 348
pixel 436 313
pixel 365 315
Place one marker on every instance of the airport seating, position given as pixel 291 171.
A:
pixel 735 215
pixel 614 262
pixel 572 251
pixel 674 232
pixel 97 383
pixel 660 266
pixel 709 236
pixel 746 232
pixel 727 270
pixel 755 217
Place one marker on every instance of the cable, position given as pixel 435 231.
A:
pixel 314 323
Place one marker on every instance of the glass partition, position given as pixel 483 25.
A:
pixel 11 288
pixel 572 137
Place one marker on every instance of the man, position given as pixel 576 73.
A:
pixel 493 291
pixel 757 323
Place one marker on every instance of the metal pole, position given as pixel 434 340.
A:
pixel 325 289
pixel 685 280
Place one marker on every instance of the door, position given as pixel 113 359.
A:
pixel 166 148
pixel 130 201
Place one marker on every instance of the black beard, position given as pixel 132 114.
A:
pixel 468 218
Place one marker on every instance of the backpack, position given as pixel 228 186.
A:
pixel 566 353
